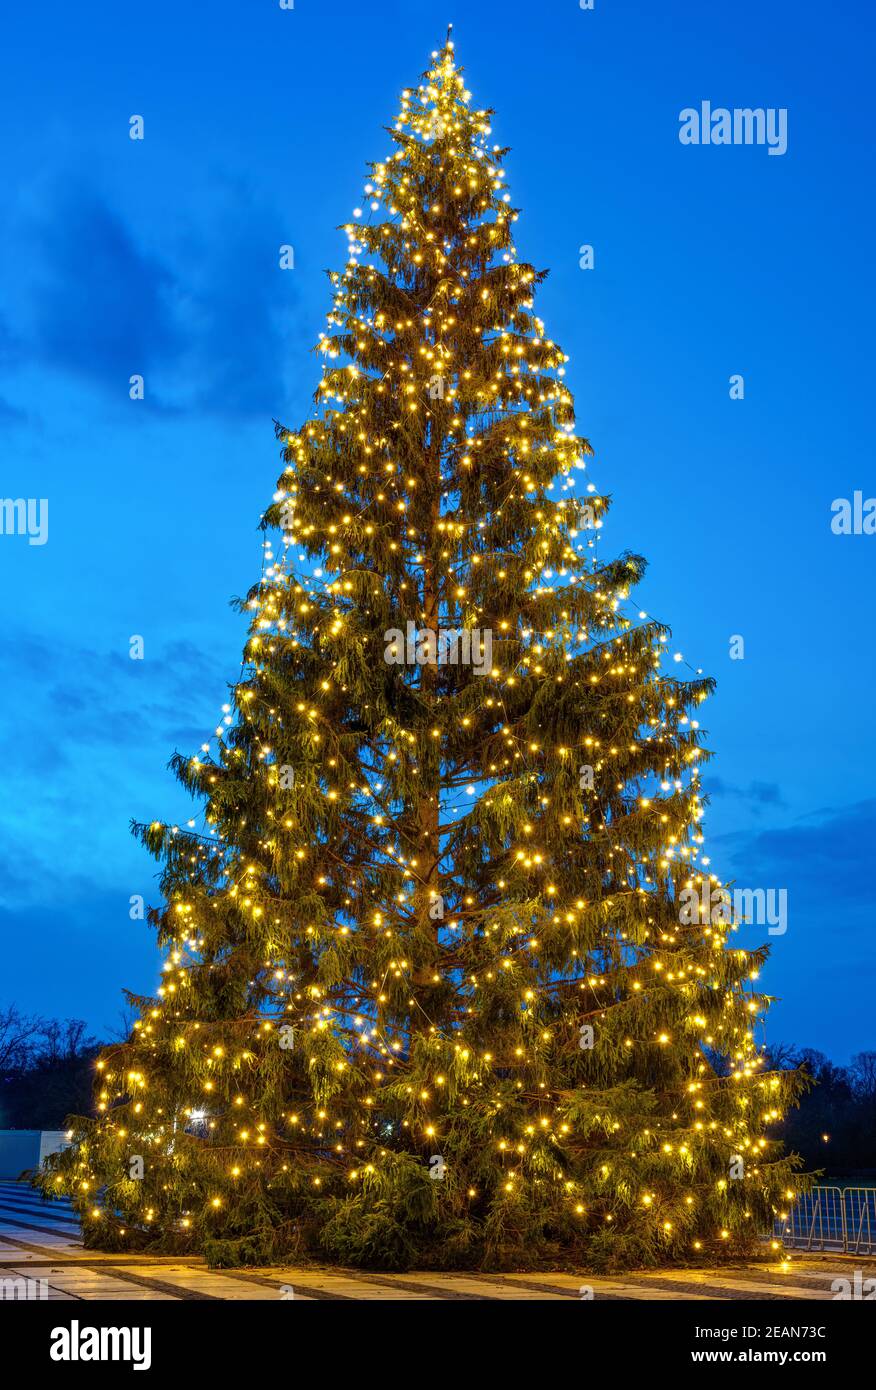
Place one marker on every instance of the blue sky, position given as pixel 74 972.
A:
pixel 161 257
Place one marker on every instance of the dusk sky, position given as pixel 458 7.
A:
pixel 161 257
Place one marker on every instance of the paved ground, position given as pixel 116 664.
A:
pixel 40 1242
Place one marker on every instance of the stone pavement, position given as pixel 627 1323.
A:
pixel 41 1256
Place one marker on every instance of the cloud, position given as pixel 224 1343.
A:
pixel 9 348
pixel 104 697
pixel 85 747
pixel 756 794
pixel 11 415
pixel 51 947
pixel 9 344
pixel 825 860
pixel 822 970
pixel 208 320
pixel 241 308
pixel 70 677
pixel 104 308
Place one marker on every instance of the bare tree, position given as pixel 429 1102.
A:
pixel 125 1026
pixel 61 1041
pixel 863 1072
pixel 781 1056
pixel 18 1034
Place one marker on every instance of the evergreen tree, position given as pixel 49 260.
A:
pixel 430 995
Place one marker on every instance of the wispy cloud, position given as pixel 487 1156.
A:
pixel 825 858
pixel 758 795
pixel 103 307
pixel 207 318
pixel 85 744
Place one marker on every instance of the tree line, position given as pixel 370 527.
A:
pixel 46 1074
pixel 45 1069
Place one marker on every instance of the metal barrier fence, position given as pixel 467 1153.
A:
pixel 841 1219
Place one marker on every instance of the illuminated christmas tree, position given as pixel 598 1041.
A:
pixel 432 995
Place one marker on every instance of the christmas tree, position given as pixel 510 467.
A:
pixel 433 994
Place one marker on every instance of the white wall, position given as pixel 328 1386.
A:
pixel 24 1149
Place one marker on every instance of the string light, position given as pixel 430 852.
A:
pixel 408 934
